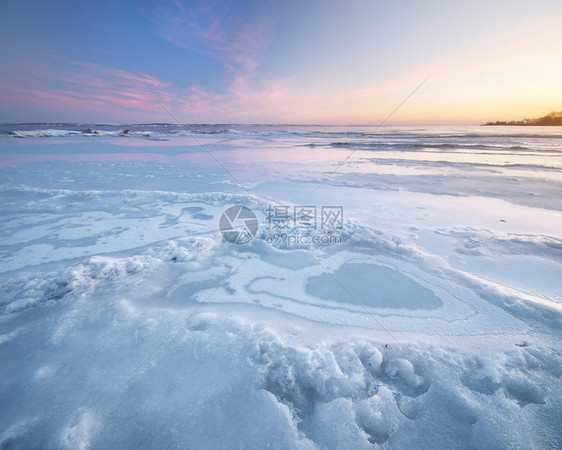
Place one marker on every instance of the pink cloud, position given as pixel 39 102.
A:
pixel 76 85
pixel 84 87
pixel 232 38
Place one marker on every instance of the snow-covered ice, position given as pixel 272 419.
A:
pixel 431 318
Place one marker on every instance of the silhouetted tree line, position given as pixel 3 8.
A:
pixel 553 118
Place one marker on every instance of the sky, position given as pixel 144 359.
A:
pixel 306 61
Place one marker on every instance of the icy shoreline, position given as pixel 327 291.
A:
pixel 443 332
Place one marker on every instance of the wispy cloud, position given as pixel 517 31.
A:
pixel 59 84
pixel 234 37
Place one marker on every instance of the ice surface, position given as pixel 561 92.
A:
pixel 126 321
pixel 376 286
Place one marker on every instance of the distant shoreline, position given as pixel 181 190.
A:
pixel 554 119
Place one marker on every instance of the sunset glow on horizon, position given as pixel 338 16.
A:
pixel 270 62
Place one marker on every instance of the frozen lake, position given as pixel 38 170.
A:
pixel 401 284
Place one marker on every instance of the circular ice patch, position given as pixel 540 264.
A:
pixel 375 286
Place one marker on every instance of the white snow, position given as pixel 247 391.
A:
pixel 126 321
